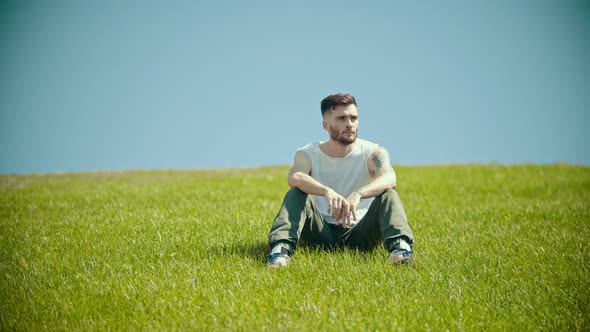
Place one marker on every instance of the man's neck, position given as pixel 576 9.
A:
pixel 336 149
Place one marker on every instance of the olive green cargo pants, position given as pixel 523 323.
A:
pixel 299 220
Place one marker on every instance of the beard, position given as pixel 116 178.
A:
pixel 341 138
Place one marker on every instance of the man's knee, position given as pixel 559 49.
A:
pixel 296 198
pixel 295 193
pixel 389 195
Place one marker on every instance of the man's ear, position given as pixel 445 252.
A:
pixel 325 125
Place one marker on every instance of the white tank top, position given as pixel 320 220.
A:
pixel 343 175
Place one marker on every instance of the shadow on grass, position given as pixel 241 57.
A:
pixel 256 251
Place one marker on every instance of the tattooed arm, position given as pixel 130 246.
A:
pixel 382 174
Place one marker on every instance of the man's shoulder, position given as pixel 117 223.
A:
pixel 308 147
pixel 366 145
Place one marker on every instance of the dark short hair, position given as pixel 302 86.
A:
pixel 330 102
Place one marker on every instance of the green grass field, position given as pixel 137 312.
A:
pixel 498 248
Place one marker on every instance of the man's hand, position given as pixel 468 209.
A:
pixel 338 207
pixel 342 208
pixel 353 200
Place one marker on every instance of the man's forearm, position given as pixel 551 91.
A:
pixel 378 185
pixel 307 184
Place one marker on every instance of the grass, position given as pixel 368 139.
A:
pixel 498 248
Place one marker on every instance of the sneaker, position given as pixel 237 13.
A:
pixel 401 253
pixel 400 256
pixel 278 260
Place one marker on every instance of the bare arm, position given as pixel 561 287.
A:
pixel 382 174
pixel 300 176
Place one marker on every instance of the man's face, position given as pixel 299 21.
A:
pixel 342 124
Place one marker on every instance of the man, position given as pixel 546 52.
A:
pixel 342 193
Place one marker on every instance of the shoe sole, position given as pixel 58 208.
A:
pixel 400 259
pixel 278 265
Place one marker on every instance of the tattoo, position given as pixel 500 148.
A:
pixel 379 159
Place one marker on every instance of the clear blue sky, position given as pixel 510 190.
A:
pixel 114 85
